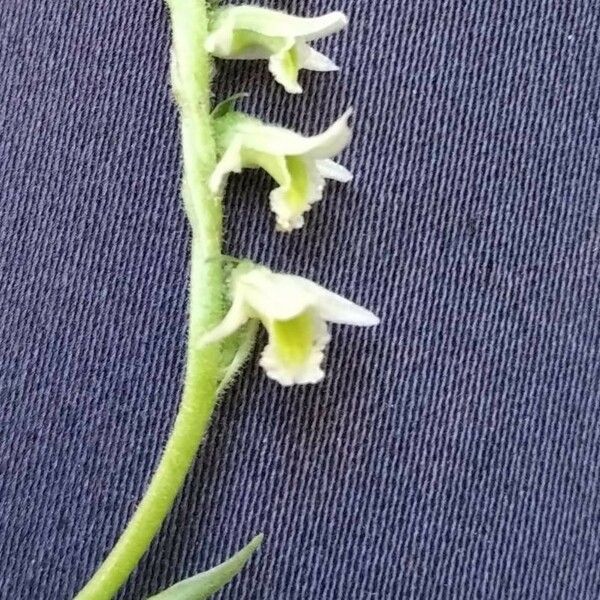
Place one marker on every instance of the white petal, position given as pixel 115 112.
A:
pixel 272 138
pixel 333 140
pixel 274 23
pixel 332 170
pixel 231 162
pixel 309 371
pixel 335 308
pixel 232 321
pixel 273 295
pixel 310 59
pixel 267 138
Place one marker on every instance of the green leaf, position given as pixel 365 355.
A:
pixel 205 584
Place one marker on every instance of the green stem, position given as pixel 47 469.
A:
pixel 191 85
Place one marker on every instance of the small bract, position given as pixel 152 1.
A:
pixel 294 311
pixel 252 32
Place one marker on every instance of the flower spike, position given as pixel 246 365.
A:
pixel 294 312
pixel 299 164
pixel 251 32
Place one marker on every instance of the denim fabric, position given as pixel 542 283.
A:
pixel 451 453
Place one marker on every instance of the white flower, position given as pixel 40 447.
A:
pixel 298 164
pixel 294 312
pixel 252 32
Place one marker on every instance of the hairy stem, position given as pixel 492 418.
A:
pixel 191 85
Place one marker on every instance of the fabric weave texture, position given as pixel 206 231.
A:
pixel 452 453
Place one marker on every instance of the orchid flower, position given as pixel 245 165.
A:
pixel 294 311
pixel 298 164
pixel 252 32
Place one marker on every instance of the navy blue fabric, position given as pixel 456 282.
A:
pixel 453 452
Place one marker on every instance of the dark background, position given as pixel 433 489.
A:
pixel 453 452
